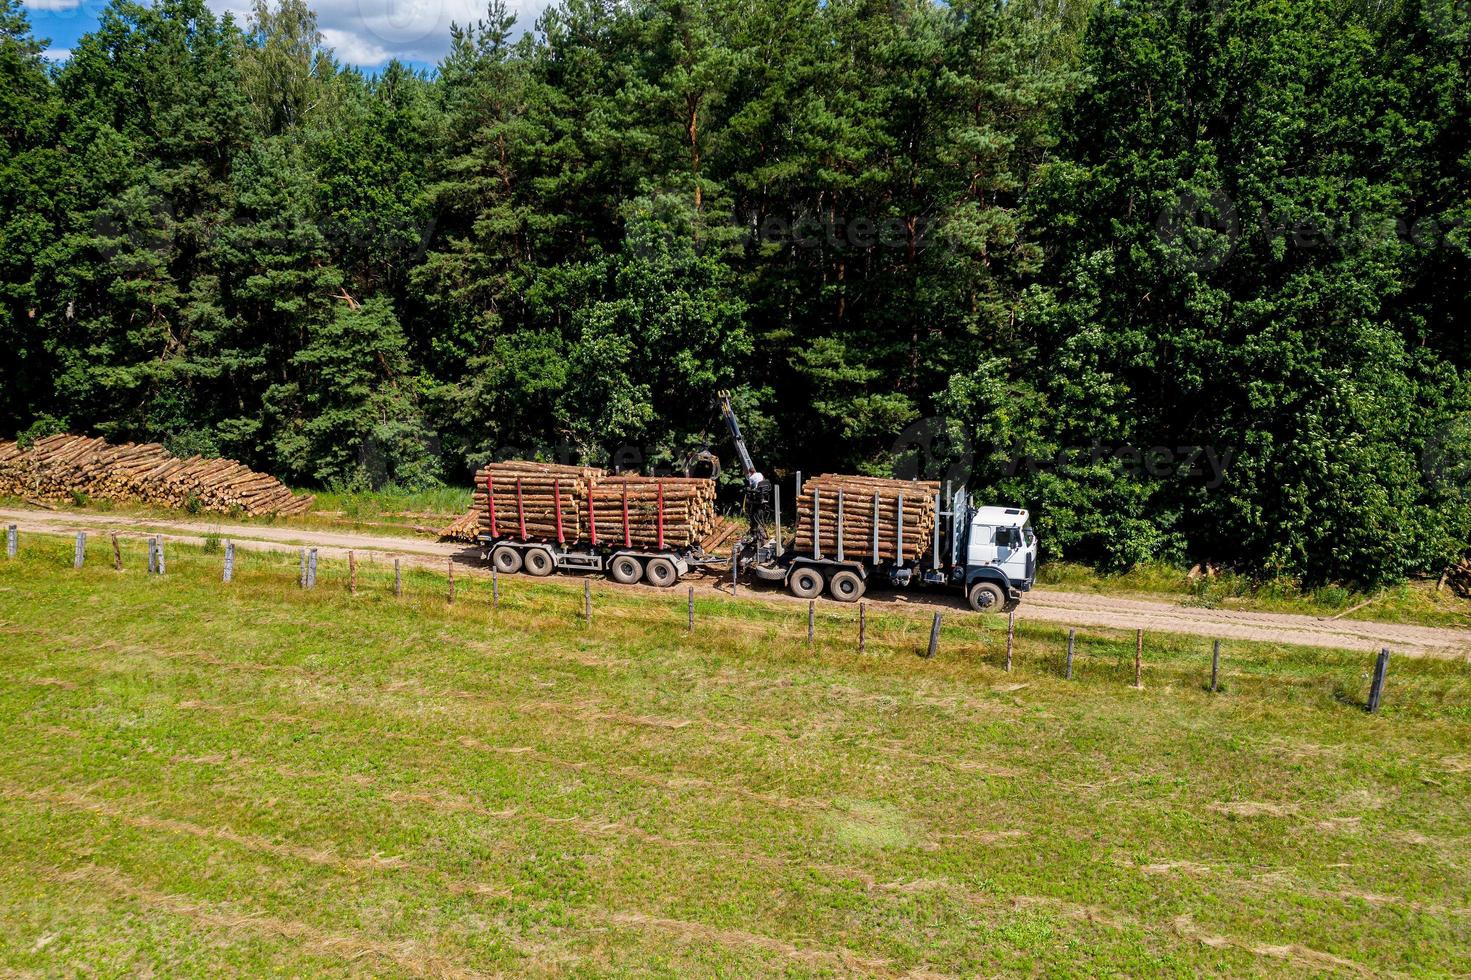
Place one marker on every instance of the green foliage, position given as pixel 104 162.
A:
pixel 42 427
pixel 1036 238
pixel 1223 277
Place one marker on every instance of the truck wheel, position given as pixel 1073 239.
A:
pixel 661 572
pixel 805 583
pixel 505 559
pixel 626 569
pixel 846 586
pixel 539 561
pixel 986 597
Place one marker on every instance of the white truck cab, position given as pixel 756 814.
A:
pixel 1000 557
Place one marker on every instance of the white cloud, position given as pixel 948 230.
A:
pixel 355 49
pixel 56 54
pixel 370 32
pixel 52 4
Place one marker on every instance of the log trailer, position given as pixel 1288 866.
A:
pixel 617 541
pixel 989 553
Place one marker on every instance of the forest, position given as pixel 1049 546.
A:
pixel 1184 277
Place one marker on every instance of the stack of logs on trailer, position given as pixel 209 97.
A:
pixel 860 517
pixel 62 466
pixel 544 501
pixel 584 505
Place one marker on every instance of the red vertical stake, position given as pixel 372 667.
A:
pixel 592 516
pixel 661 515
pixel 627 539
pixel 520 508
pixel 490 493
pixel 557 505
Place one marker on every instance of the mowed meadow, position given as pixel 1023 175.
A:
pixel 251 778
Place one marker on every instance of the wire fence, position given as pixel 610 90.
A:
pixel 1009 645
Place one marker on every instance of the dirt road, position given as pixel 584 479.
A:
pixel 1084 610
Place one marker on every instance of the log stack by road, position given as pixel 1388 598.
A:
pixel 866 502
pixel 62 466
pixel 585 505
pixel 465 528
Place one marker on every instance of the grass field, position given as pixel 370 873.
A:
pixel 200 778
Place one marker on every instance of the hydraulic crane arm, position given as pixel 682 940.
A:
pixel 748 468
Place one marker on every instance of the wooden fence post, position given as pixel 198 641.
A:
pixel 811 620
pixel 449 563
pixel 79 554
pixel 162 564
pixel 352 573
pixel 1215 666
pixel 587 601
pixel 1138 658
pixel 117 555
pixel 1376 689
pixel 301 577
pixel 934 638
pixel 862 626
pixel 152 555
pixel 398 579
pixel 495 588
pixel 1072 636
pixel 735 568
pixel 690 624
pixel 229 561
pixel 11 536
pixel 311 568
pixel 1010 637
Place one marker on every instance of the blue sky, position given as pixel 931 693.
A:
pixel 366 33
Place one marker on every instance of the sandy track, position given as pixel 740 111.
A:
pixel 1084 610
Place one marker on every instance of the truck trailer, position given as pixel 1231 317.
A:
pixel 987 553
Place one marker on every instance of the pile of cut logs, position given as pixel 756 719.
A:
pixel 464 529
pixel 579 504
pixel 62 466
pixel 866 517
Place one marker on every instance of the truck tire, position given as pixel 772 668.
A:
pixel 846 586
pixel 625 569
pixel 505 559
pixel 805 583
pixel 661 572
pixel 986 597
pixel 539 561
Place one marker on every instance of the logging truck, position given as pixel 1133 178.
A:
pixel 988 553
pixel 864 533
